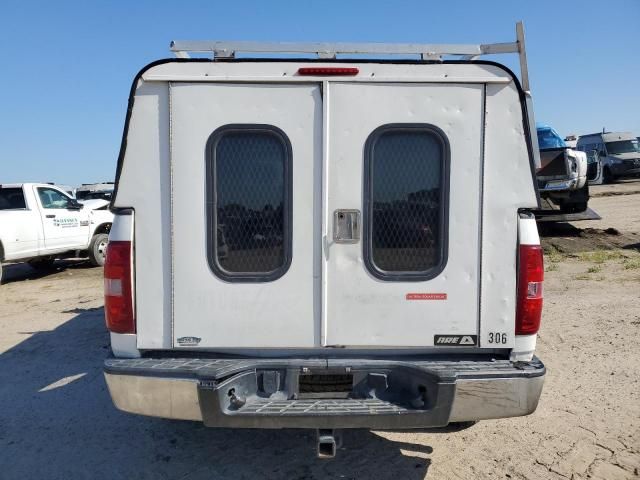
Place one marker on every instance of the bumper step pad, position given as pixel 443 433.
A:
pixel 323 407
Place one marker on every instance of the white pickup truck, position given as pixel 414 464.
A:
pixel 41 222
pixel 562 178
pixel 327 243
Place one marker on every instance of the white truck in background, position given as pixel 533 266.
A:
pixel 562 176
pixel 41 222
pixel 91 191
pixel 329 243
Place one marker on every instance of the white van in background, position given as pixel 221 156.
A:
pixel 616 154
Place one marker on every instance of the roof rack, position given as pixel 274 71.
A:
pixel 325 50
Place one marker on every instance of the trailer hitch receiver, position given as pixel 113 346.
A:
pixel 329 440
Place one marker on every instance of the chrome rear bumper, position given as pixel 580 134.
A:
pixel 266 393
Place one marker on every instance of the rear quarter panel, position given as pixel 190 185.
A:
pixel 145 184
pixel 508 186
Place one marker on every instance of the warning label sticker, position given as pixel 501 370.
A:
pixel 426 296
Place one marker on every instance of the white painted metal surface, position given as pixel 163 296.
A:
pixel 362 310
pixel 281 313
pixel 299 109
pixel 295 79
pixel 282 72
pixel 62 228
pixel 124 345
pixel 145 185
pixel 21 230
pixel 524 347
pixel 508 186
pixel 528 232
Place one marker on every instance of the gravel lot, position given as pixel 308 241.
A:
pixel 57 421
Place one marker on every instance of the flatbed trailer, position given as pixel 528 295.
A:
pixel 557 216
pixel 549 213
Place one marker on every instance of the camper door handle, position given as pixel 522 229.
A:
pixel 346 226
pixel 50 216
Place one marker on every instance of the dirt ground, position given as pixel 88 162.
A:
pixel 57 421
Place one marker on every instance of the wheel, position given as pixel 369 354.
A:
pixel 607 176
pixel 0 273
pixel 577 207
pixel 98 249
pixel 580 207
pixel 42 264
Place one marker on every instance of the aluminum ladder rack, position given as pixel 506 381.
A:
pixel 326 50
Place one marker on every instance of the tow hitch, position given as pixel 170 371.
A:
pixel 329 440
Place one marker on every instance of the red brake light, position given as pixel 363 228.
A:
pixel 328 71
pixel 118 300
pixel 530 279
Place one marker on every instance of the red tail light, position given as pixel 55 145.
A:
pixel 118 299
pixel 530 279
pixel 328 71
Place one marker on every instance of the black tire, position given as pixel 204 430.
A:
pixel 42 264
pixel 0 273
pixel 607 176
pixel 98 249
pixel 577 201
pixel 578 207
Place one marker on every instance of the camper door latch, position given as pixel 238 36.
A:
pixel 346 226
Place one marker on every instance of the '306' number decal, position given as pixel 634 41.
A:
pixel 498 337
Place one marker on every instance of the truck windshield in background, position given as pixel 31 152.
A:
pixel 548 138
pixel 89 195
pixel 623 146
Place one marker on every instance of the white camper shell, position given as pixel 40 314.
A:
pixel 325 243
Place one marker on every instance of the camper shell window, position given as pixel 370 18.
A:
pixel 406 202
pixel 249 202
pixel 12 198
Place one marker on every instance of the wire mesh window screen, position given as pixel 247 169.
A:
pixel 248 202
pixel 405 202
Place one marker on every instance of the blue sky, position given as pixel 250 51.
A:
pixel 67 66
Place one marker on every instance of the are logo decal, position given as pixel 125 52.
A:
pixel 186 341
pixel 455 340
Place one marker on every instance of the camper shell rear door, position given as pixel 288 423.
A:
pixel 366 222
pixel 403 164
